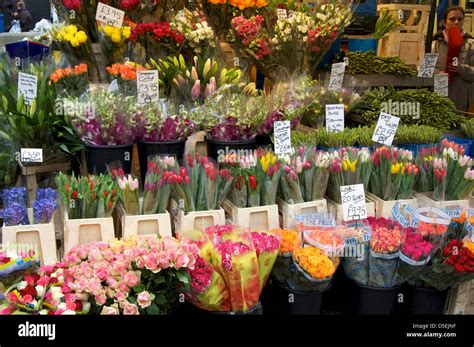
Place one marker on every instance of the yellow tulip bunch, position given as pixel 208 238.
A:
pixel 117 35
pixel 71 35
pixel 348 164
pixel 267 161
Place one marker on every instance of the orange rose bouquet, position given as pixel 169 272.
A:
pixel 126 76
pixel 70 81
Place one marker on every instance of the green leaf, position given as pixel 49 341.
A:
pixel 132 300
pixel 159 280
pixel 139 288
pixel 160 299
pixel 183 277
pixel 152 310
pixel 64 148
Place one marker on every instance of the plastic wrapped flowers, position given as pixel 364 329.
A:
pixel 232 269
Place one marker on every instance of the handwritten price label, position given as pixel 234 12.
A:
pixel 353 202
pixel 281 13
pixel 337 76
pixel 31 155
pixel 386 129
pixel 147 87
pixel 28 87
pixel 441 84
pixel 316 219
pixel 335 117
pixel 428 65
pixel 282 137
pixel 109 15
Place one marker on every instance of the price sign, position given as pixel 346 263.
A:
pixel 428 65
pixel 282 14
pixel 337 76
pixel 353 202
pixel 147 87
pixel 316 219
pixel 28 87
pixel 291 13
pixel 441 84
pixel 282 137
pixel 335 117
pixel 386 128
pixel 400 15
pixel 109 15
pixel 31 155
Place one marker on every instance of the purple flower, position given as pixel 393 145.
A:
pixel 18 195
pixel 46 193
pixel 43 210
pixel 230 131
pixel 15 215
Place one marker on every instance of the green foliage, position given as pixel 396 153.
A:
pixel 368 63
pixel 418 134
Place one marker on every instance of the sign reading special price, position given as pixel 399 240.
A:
pixel 353 202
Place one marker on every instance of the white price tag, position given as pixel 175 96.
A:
pixel 282 137
pixel 109 15
pixel 428 65
pixel 31 155
pixel 28 87
pixel 353 202
pixel 147 87
pixel 337 76
pixel 386 129
pixel 441 84
pixel 400 15
pixel 281 13
pixel 335 117
pixel 346 61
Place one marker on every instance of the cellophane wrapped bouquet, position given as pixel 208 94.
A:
pixel 233 268
pixel 156 190
pixel 348 166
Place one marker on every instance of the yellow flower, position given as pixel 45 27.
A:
pixel 352 165
pixel 116 38
pixel 108 30
pixel 74 42
pixel 265 161
pixel 68 37
pixel 126 31
pixel 396 168
pixel 71 29
pixel 345 165
pixel 81 36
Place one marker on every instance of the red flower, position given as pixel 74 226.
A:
pixel 29 290
pixel 253 182
pixel 74 195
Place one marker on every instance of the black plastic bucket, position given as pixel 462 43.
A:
pixel 216 149
pixel 99 156
pixel 373 300
pixel 294 302
pixel 264 141
pixel 425 301
pixel 145 149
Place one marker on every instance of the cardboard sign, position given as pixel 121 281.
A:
pixel 353 202
pixel 109 15
pixel 441 84
pixel 335 117
pixel 428 65
pixel 28 87
pixel 282 137
pixel 386 129
pixel 148 87
pixel 337 76
pixel 31 155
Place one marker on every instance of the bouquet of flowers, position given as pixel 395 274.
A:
pixel 129 194
pixel 114 43
pixel 235 266
pixel 73 43
pixel 15 200
pixel 126 76
pixel 393 174
pixel 156 192
pixel 349 166
pixel 147 11
pixel 271 173
pixel 70 81
pixel 425 180
pixel 137 275
pixel 290 182
pixel 87 197
pixel 314 176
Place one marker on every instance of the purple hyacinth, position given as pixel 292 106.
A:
pixel 15 215
pixel 43 210
pixel 46 193
pixel 18 195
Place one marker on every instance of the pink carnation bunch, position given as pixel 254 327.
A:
pixel 265 243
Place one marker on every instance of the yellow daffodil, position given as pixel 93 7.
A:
pixel 353 165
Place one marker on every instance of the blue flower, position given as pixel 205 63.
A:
pixel 43 210
pixel 15 215
pixel 18 195
pixel 46 193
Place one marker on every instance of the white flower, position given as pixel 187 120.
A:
pixel 62 306
pixel 86 307
pixel 22 285
pixel 39 290
pixel 68 313
pixel 43 312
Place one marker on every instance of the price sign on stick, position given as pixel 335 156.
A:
pixel 147 87
pixel 109 15
pixel 335 117
pixel 428 65
pixel 441 84
pixel 353 202
pixel 337 76
pixel 28 87
pixel 31 155
pixel 282 137
pixel 386 128
pixel 281 13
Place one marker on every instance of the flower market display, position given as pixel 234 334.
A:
pixel 181 156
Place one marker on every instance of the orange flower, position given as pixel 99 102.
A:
pixel 54 77
pixel 314 262
pixel 262 3
pixel 80 69
pixel 288 238
pixel 67 71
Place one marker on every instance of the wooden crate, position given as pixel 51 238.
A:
pixel 196 144
pixel 384 208
pixel 159 223
pixel 335 209
pixel 198 220
pixel 40 235
pixel 415 17
pixel 83 231
pixel 425 200
pixel 262 218
pixel 289 212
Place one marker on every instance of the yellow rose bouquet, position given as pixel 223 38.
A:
pixel 73 43
pixel 114 42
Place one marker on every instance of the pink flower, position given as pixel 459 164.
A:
pixel 110 310
pixel 120 296
pixel 101 299
pixel 12 297
pixel 95 286
pixel 151 262
pixel 102 273
pixel 144 299
pixel 130 309
pixel 196 90
pixel 27 299
pixel 131 279
pixel 182 260
pixel 164 261
pixel 43 281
